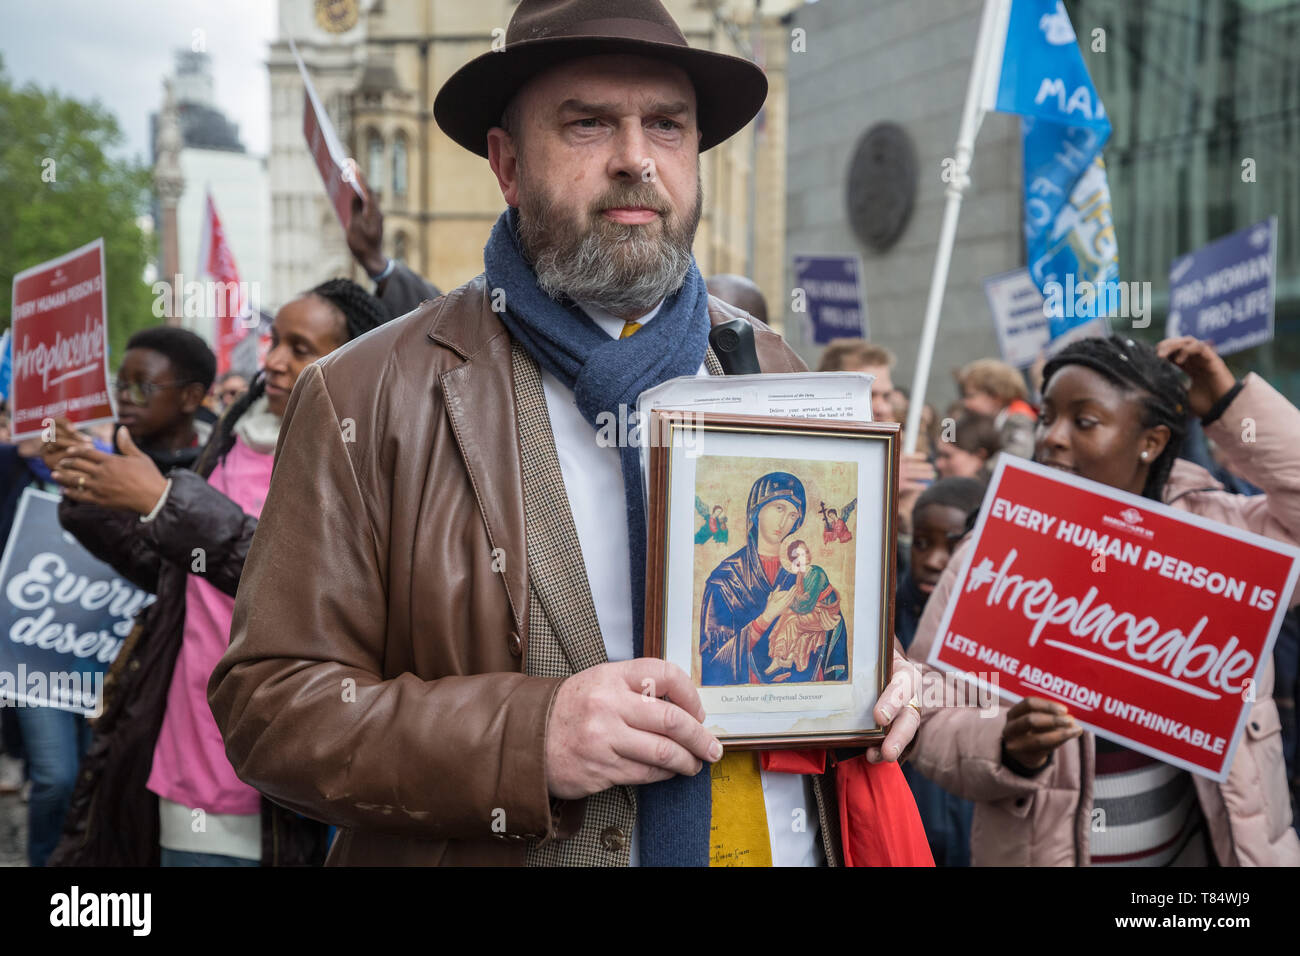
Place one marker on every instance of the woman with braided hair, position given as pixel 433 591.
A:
pixel 156 775
pixel 1046 792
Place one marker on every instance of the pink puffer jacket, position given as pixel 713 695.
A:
pixel 1045 820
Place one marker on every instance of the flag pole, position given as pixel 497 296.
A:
pixel 995 13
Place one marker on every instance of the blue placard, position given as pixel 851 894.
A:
pixel 1223 292
pixel 65 615
pixel 830 289
pixel 1018 316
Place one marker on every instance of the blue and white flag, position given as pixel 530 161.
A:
pixel 6 365
pixel 1036 69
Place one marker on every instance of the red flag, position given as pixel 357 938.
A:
pixel 217 261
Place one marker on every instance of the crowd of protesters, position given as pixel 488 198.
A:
pixel 368 565
pixel 171 505
pixel 1136 418
pixel 142 497
pixel 189 466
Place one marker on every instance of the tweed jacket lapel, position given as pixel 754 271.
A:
pixel 563 630
pixel 556 572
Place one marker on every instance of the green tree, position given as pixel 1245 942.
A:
pixel 60 189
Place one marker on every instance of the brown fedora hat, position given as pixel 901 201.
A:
pixel 729 90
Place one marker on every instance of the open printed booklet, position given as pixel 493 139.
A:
pixel 840 396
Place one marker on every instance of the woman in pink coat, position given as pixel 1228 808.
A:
pixel 1046 792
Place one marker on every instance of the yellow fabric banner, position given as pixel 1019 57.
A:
pixel 738 828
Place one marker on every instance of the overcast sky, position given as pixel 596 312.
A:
pixel 118 51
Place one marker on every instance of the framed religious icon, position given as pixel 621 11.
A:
pixel 770 572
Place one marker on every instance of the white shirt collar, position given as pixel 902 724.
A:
pixel 612 323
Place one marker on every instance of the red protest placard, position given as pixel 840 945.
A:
pixel 60 342
pixel 1152 625
pixel 336 170
pixel 331 172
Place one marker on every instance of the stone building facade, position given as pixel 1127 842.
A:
pixel 378 65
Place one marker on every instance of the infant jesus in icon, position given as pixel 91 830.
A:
pixel 801 629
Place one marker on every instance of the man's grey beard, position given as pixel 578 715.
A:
pixel 623 269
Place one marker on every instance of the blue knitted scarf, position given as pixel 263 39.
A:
pixel 606 373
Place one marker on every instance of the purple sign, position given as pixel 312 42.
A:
pixel 1223 292
pixel 830 290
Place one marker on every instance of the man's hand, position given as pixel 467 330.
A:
pixel 898 710
pixel 365 233
pixel 914 475
pixel 1034 728
pixel 129 481
pixel 1210 375
pixel 609 726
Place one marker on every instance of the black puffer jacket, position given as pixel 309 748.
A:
pixel 112 818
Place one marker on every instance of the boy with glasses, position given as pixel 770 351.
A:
pixel 165 373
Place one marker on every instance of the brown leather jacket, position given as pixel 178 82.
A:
pixel 376 675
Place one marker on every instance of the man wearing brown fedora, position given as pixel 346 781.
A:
pixel 437 639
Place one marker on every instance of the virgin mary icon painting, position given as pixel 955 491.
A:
pixel 768 614
pixel 786 636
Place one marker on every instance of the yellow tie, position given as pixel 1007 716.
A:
pixel 630 329
pixel 738 826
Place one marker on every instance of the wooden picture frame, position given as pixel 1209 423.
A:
pixel 788 656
